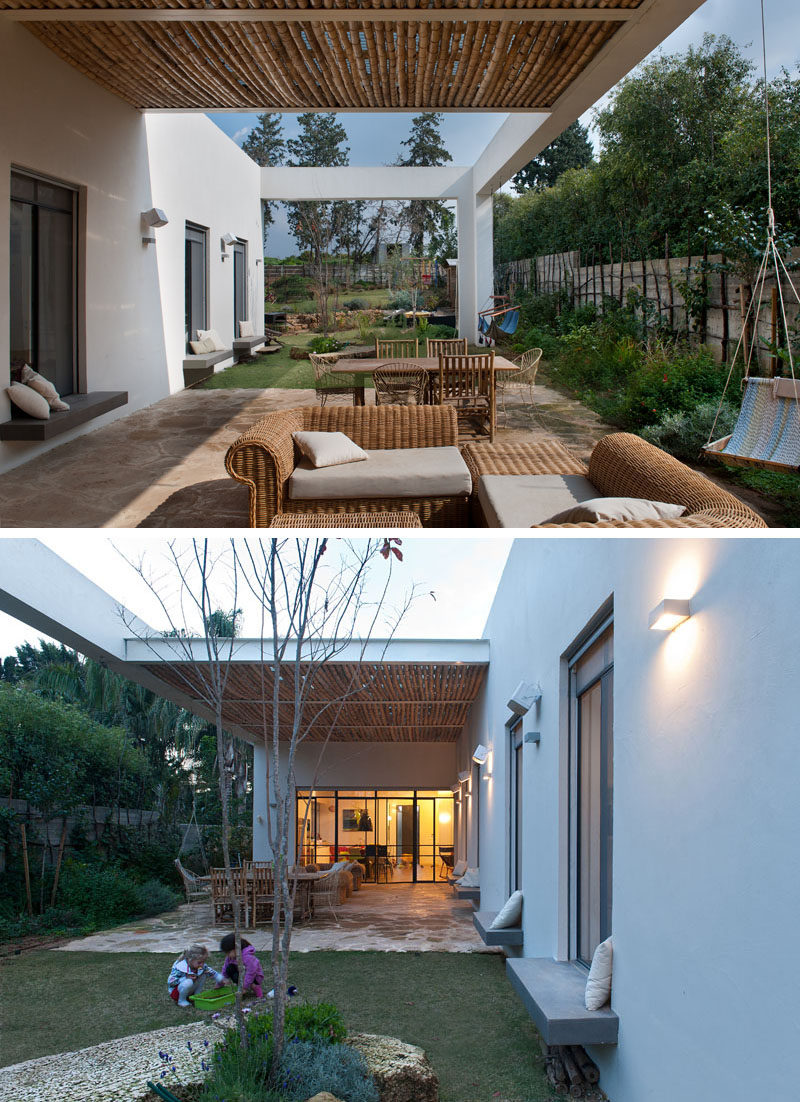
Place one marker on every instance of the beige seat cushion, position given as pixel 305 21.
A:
pixel 618 508
pixel 390 473
pixel 522 500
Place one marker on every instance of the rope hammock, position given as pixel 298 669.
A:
pixel 767 432
pixel 193 827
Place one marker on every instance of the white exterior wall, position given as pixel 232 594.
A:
pixel 706 884
pixel 58 124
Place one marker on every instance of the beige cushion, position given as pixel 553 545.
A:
pixel 29 401
pixel 522 500
pixel 390 473
pixel 618 508
pixel 510 914
pixel 213 336
pixel 246 329
pixel 44 387
pixel 459 869
pixel 470 879
pixel 598 983
pixel 203 346
pixel 328 449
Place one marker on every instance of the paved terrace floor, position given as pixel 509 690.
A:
pixel 163 467
pixel 379 917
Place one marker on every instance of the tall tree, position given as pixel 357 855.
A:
pixel 266 145
pixel 423 219
pixel 320 144
pixel 572 149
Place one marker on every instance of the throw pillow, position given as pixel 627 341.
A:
pixel 510 914
pixel 44 387
pixel 618 508
pixel 201 347
pixel 246 329
pixel 470 879
pixel 598 983
pixel 29 401
pixel 212 335
pixel 328 449
pixel 459 869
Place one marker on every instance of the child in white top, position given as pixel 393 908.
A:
pixel 189 973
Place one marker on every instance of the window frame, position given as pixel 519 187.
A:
pixel 516 802
pixel 201 238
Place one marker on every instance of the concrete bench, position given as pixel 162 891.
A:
pixel 198 368
pixel 246 346
pixel 482 920
pixel 473 894
pixel 553 993
pixel 82 408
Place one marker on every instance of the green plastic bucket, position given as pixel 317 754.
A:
pixel 214 998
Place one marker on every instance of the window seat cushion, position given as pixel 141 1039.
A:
pixel 524 500
pixel 387 473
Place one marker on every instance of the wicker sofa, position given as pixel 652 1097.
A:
pixel 621 465
pixel 264 458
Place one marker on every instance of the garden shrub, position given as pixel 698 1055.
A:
pixel 309 1067
pixel 534 337
pixel 240 1075
pixel 400 300
pixel 356 304
pixel 324 344
pixel 305 1021
pixel 684 434
pixel 292 287
pixel 440 332
pixel 670 381
pixel 105 894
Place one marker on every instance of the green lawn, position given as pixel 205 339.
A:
pixel 458 1006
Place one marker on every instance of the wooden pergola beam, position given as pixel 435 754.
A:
pixel 318 15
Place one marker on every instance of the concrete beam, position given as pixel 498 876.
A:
pixel 352 182
pixel 653 21
pixel 250 651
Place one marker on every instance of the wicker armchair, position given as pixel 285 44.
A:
pixel 196 887
pixel 264 458
pixel 404 385
pixel 329 892
pixel 325 383
pixel 528 365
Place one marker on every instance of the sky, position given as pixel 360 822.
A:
pixel 376 139
pixel 463 574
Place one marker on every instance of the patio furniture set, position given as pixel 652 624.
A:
pixel 313 886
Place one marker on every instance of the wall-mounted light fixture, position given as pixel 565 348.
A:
pixel 670 613
pixel 224 241
pixel 463 775
pixel 454 788
pixel 532 736
pixel 149 221
pixel 524 697
pixel 480 754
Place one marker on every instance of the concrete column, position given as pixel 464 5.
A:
pixel 261 847
pixel 475 258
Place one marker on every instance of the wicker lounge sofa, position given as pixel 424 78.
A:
pixel 621 465
pixel 265 459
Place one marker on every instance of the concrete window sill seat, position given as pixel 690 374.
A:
pixel 82 408
pixel 246 346
pixel 198 368
pixel 482 920
pixel 553 993
pixel 467 893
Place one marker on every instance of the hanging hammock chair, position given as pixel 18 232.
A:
pixel 497 325
pixel 767 432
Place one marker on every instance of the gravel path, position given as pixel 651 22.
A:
pixel 115 1070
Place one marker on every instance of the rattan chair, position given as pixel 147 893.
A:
pixel 525 375
pixel 327 384
pixel 329 892
pixel 408 348
pixel 196 887
pixel 467 383
pixel 454 346
pixel 400 384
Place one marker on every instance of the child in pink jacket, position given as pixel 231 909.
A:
pixel 253 972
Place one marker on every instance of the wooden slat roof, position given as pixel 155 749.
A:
pixel 370 702
pixel 479 55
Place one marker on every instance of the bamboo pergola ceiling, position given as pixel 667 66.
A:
pixel 480 55
pixel 373 702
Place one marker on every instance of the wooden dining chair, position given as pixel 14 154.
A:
pixel 467 383
pixel 263 892
pixel 406 349
pixel 454 346
pixel 220 896
pixel 400 384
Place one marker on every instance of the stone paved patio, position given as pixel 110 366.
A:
pixel 383 917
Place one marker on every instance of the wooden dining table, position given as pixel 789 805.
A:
pixel 362 367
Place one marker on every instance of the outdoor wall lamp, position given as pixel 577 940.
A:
pixel 480 754
pixel 151 220
pixel 670 613
pixel 524 697
pixel 455 788
pixel 463 776
pixel 224 241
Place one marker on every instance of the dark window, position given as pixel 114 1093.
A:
pixel 239 285
pixel 196 296
pixel 592 748
pixel 43 279
pixel 515 822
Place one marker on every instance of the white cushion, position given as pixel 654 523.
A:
pixel 523 500
pixel 44 387
pixel 246 329
pixel 328 449
pixel 389 473
pixel 619 508
pixel 29 401
pixel 510 913
pixel 598 983
pixel 459 869
pixel 200 348
pixel 470 879
pixel 212 335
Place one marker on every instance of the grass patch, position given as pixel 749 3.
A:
pixel 783 489
pixel 459 1007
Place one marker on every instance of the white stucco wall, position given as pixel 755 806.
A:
pixel 58 124
pixel 706 817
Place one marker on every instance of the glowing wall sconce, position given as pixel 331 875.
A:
pixel 455 788
pixel 463 776
pixel 670 613
pixel 480 754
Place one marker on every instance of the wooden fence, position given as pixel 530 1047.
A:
pixel 659 290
